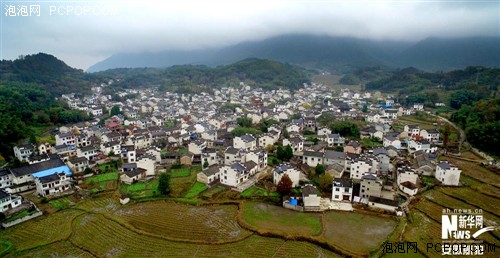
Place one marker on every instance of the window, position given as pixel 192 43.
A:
pixel 337 189
pixel 336 196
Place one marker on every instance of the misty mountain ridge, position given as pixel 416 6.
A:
pixel 329 53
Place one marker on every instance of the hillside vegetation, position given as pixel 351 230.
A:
pixel 185 78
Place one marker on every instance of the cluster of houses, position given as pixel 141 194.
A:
pixel 151 122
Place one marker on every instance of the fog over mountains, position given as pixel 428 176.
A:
pixel 329 53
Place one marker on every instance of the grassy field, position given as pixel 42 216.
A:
pixel 140 189
pixel 180 172
pixel 280 220
pixel 196 190
pixel 61 203
pixel 102 182
pixel 180 186
pixel 102 178
pixel 356 232
pixel 256 191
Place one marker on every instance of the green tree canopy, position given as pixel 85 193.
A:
pixel 164 184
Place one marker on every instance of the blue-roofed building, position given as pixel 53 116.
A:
pixel 23 178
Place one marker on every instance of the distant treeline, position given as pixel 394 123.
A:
pixel 256 72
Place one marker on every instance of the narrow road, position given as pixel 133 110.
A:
pixel 462 137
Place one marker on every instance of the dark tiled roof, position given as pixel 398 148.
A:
pixel 31 169
pixel 50 178
pixel 134 172
pixel 342 182
pixel 308 190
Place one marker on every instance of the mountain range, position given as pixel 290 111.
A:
pixel 329 53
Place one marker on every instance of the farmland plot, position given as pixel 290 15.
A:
pixel 209 224
pixel 42 230
pixel 280 220
pixel 357 232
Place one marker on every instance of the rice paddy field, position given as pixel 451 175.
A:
pixel 480 191
pixel 188 225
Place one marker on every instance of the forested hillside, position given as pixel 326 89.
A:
pixel 257 72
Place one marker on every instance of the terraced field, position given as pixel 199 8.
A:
pixel 275 219
pixel 205 224
pixel 423 230
pixel 42 230
pixel 356 232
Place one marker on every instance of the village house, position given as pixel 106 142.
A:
pixel 133 175
pixel 312 158
pixel 371 185
pixel 390 140
pixel 447 174
pixel 342 190
pixel 210 175
pixel 78 164
pixel 48 185
pixel 353 147
pixel 296 143
pixel 8 201
pixel 412 130
pixel 335 140
pixel 23 152
pixel 286 169
pixel 235 174
pixel 431 135
pixel 310 197
pixel 246 142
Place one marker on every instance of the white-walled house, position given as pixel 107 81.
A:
pixel 197 147
pixel 447 174
pixel 209 175
pixel 247 142
pixel 52 184
pixel 234 174
pixel 312 158
pixel 8 201
pixel 296 143
pixel 342 190
pixel 392 141
pixel 23 152
pixel 412 130
pixel 286 169
pixel 407 180
pixel 311 198
pixel 431 135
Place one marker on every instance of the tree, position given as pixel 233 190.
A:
pixel 205 164
pixel 286 134
pixel 320 169
pixel 325 183
pixel 365 108
pixel 280 153
pixel 115 110
pixel 446 135
pixel 33 139
pixel 244 121
pixel 284 186
pixel 462 97
pixel 270 148
pixel 288 153
pixel 164 184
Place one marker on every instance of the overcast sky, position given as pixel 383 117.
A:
pixel 147 25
